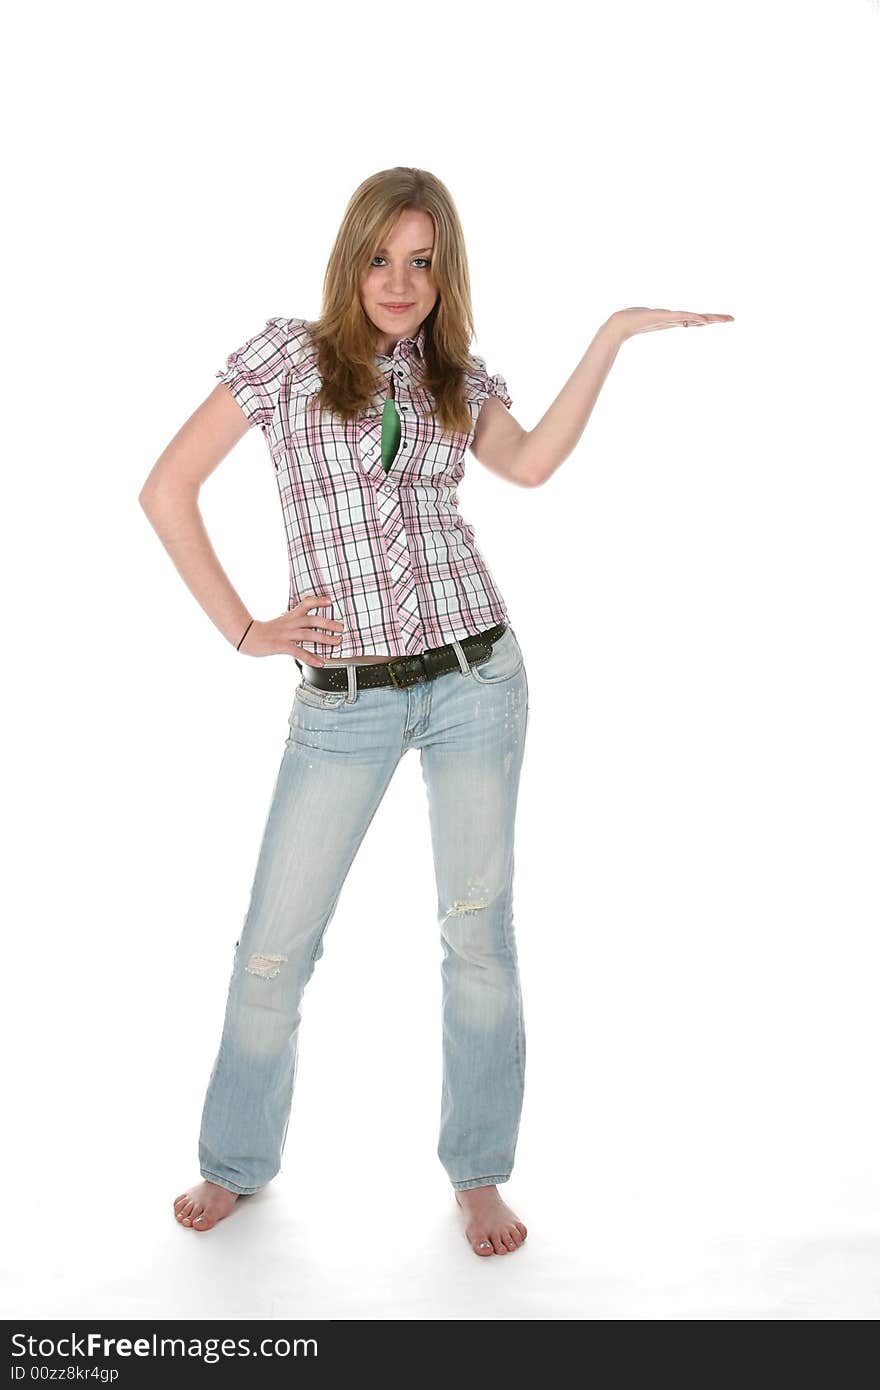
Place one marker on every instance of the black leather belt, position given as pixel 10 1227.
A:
pixel 404 671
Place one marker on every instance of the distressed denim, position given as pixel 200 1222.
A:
pixel 469 726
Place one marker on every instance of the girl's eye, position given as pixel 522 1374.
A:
pixel 417 258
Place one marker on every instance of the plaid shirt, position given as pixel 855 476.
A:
pixel 391 549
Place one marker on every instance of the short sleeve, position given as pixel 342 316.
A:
pixel 482 383
pixel 255 372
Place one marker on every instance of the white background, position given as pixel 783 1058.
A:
pixel 695 590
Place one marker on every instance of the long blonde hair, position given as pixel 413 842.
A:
pixel 344 335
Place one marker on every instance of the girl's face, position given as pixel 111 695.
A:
pixel 400 273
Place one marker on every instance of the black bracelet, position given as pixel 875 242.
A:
pixel 245 633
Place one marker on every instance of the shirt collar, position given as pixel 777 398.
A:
pixel 405 348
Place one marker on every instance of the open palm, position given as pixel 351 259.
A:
pixel 642 320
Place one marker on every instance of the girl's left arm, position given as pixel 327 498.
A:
pixel 532 456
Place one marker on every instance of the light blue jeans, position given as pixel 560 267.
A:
pixel 339 757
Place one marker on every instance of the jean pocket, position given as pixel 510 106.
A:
pixel 316 698
pixel 505 661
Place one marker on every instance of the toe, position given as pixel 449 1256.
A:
pixel 202 1222
pixel 522 1230
pixel 500 1247
pixel 483 1246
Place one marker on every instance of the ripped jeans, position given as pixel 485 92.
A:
pixel 340 755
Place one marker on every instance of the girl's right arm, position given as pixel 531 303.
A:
pixel 170 499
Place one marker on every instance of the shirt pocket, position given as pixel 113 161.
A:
pixel 440 453
pixel 323 447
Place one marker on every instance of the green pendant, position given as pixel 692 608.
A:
pixel 390 433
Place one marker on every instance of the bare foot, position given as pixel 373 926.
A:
pixel 203 1205
pixel 491 1227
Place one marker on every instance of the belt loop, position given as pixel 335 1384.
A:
pixel 462 659
pixel 352 683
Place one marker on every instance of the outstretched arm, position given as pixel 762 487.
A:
pixel 530 457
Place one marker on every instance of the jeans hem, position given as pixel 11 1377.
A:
pixel 482 1182
pixel 230 1186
